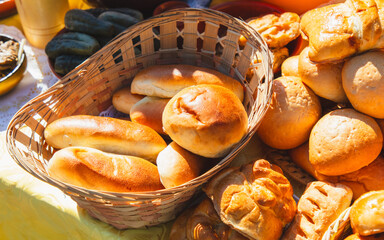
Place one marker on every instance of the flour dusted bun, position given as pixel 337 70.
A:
pixel 177 165
pixel 123 99
pixel 290 67
pixel 165 81
pixel 207 120
pixel 97 170
pixel 343 141
pixel 367 214
pixel 293 111
pixel 363 82
pixel 323 78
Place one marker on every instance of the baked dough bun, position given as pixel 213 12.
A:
pixel 149 112
pixel 207 120
pixel 371 237
pixel 123 99
pixel 343 141
pixel 165 81
pixel 177 165
pixel 320 205
pixel 290 67
pixel 367 214
pixel 106 134
pixel 323 78
pixel 363 82
pixel 93 169
pixel 293 111
pixel 255 200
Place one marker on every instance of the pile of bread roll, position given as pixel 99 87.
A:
pixel 181 120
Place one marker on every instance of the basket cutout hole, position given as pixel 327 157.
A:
pixel 156 44
pixel 201 27
pixel 222 32
pixel 135 40
pixel 199 44
pixel 101 68
pixel 180 26
pixel 219 49
pixel 180 42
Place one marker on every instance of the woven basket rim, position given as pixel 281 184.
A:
pixel 122 196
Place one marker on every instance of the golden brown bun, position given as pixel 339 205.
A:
pixel 177 165
pixel 290 67
pixel 202 223
pixel 165 81
pixel 343 141
pixel 320 205
pixel 106 134
pixel 97 170
pixel 363 82
pixel 256 199
pixel 356 236
pixel 149 112
pixel 323 78
pixel 368 178
pixel 340 30
pixel 367 214
pixel 123 99
pixel 293 111
pixel 207 120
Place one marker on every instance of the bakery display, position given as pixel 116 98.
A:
pixel 255 199
pixel 320 205
pixel 207 120
pixel 293 111
pixel 94 169
pixel 106 134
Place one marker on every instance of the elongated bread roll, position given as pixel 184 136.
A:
pixel 106 134
pixel 123 99
pixel 165 81
pixel 94 169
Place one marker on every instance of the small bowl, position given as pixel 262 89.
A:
pixel 10 81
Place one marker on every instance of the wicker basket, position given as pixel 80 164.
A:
pixel 206 38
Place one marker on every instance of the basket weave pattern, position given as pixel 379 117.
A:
pixel 205 38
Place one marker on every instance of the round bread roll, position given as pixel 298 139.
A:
pixel 293 111
pixel 363 82
pixel 323 78
pixel 97 170
pixel 343 141
pixel 123 99
pixel 149 111
pixel 367 214
pixel 290 67
pixel 177 165
pixel 207 120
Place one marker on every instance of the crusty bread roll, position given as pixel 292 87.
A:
pixel 177 165
pixel 290 67
pixel 320 205
pixel 340 30
pixel 343 141
pixel 165 81
pixel 368 178
pixel 207 120
pixel 256 199
pixel 149 112
pixel 293 111
pixel 323 78
pixel 123 99
pixel 363 82
pixel 356 236
pixel 367 213
pixel 106 134
pixel 93 169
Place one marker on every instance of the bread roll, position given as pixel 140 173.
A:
pixel 177 165
pixel 93 169
pixel 149 112
pixel 123 99
pixel 320 205
pixel 367 214
pixel 293 111
pixel 371 237
pixel 207 120
pixel 290 67
pixel 256 199
pixel 340 30
pixel 165 81
pixel 106 134
pixel 363 82
pixel 343 141
pixel 323 78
